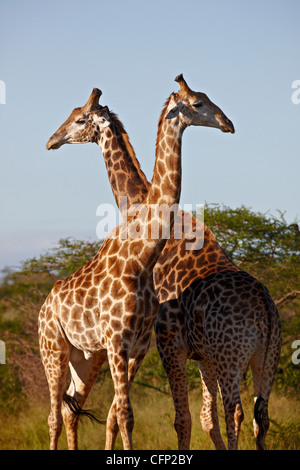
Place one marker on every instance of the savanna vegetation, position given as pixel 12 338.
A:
pixel 265 246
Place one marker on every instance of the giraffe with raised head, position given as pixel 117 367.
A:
pixel 108 307
pixel 225 319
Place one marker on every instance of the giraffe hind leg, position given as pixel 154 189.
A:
pixel 209 413
pixel 55 352
pixel 234 414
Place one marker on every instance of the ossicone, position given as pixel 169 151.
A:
pixel 183 85
pixel 93 99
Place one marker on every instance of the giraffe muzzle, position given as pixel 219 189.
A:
pixel 225 123
pixel 54 143
pixel 229 127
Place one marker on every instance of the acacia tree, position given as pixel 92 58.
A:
pixel 264 245
pixel 68 256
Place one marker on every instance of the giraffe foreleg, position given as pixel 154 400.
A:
pixel 174 362
pixel 118 362
pixel 112 427
pixel 182 422
pixel 172 351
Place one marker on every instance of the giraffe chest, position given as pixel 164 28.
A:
pixel 128 320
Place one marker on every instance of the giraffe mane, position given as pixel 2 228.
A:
pixel 160 124
pixel 160 121
pixel 129 147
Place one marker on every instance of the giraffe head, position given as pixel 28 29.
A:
pixel 83 125
pixel 196 109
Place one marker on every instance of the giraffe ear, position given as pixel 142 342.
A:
pixel 173 112
pixel 102 118
pixel 173 108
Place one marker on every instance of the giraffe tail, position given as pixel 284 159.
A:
pixel 269 367
pixel 262 421
pixel 72 404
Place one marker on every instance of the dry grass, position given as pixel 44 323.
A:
pixel 154 414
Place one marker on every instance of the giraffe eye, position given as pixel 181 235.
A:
pixel 198 105
pixel 80 121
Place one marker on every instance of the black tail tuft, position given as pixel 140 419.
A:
pixel 75 408
pixel 261 418
pixel 258 410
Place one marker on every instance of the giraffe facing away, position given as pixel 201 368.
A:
pixel 108 307
pixel 185 267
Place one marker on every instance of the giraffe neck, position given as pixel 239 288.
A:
pixel 127 179
pixel 166 181
pixel 124 172
pixel 159 207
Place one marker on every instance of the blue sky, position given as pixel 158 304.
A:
pixel 244 55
